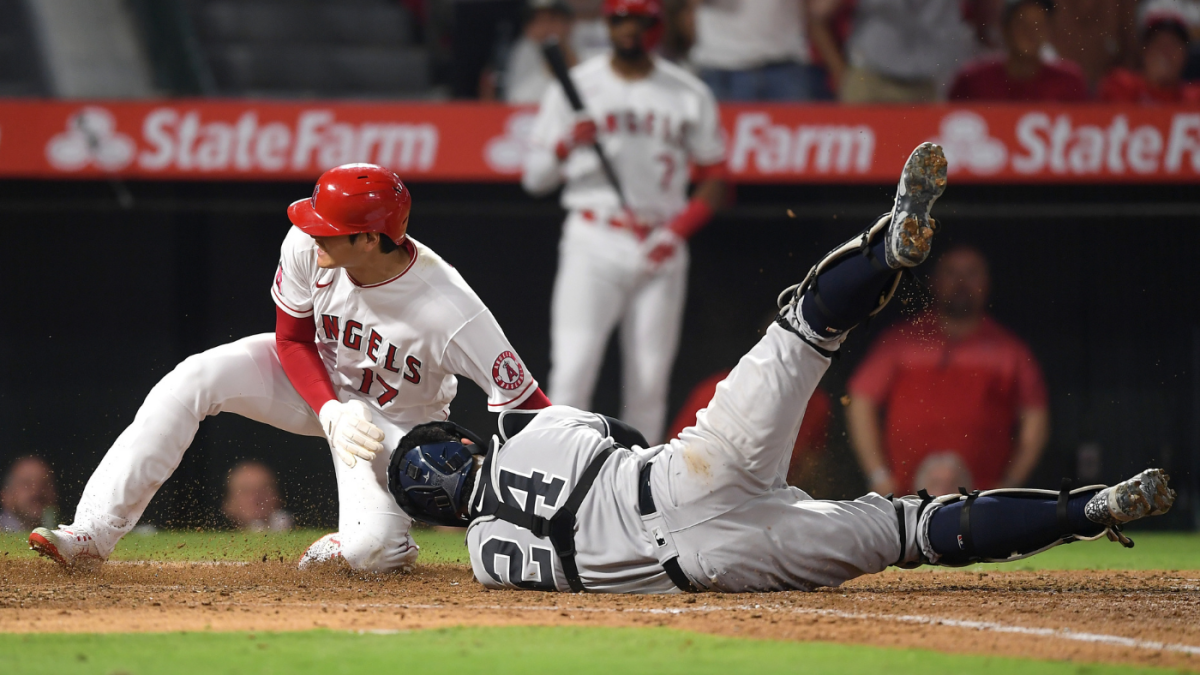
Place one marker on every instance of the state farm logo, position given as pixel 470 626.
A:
pixel 964 136
pixel 91 138
pixel 506 154
pixel 817 149
pixel 183 140
pixel 1059 146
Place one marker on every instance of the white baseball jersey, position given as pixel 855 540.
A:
pixel 397 345
pixel 614 552
pixel 652 130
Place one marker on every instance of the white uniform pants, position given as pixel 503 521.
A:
pixel 721 487
pixel 245 378
pixel 604 279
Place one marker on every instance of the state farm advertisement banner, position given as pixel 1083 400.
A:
pixel 222 140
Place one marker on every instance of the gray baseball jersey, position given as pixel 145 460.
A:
pixel 719 490
pixel 536 470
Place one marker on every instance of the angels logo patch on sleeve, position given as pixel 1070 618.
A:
pixel 279 278
pixel 507 371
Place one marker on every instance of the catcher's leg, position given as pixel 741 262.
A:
pixel 1009 524
pixel 242 377
pixel 858 278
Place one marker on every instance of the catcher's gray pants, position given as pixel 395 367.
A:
pixel 721 487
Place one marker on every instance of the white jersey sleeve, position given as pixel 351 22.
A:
pixel 294 278
pixel 705 140
pixel 480 351
pixel 543 172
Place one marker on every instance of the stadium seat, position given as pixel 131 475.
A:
pixel 288 48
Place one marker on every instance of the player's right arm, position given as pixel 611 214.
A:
pixel 556 132
pixel 347 425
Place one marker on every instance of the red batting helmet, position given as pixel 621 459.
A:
pixel 650 9
pixel 354 198
pixel 647 8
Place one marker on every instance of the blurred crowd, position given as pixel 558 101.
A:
pixel 252 502
pixel 858 51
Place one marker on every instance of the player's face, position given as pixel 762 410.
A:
pixel 961 284
pixel 1027 30
pixel 335 252
pixel 1165 58
pixel 628 34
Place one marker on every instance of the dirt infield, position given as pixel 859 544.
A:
pixel 1144 618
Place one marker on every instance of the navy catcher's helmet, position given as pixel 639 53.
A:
pixel 431 475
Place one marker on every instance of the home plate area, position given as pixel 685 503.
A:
pixel 1131 617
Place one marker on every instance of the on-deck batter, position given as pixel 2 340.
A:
pixel 574 501
pixel 616 265
pixel 371 329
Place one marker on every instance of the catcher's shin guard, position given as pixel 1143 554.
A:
pixel 856 289
pixel 1015 523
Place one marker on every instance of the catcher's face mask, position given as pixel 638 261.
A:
pixel 433 481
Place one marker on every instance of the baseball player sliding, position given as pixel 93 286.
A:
pixel 371 329
pixel 623 256
pixel 568 500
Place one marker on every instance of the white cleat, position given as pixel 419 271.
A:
pixel 912 228
pixel 67 546
pixel 327 549
pixel 1146 494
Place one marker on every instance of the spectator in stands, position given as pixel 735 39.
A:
pixel 1096 35
pixel 589 33
pixel 829 26
pixel 679 34
pixel 483 30
pixel 942 473
pixel 526 76
pixel 755 50
pixel 1164 36
pixel 902 52
pixel 952 380
pixel 27 496
pixel 1023 73
pixel 252 499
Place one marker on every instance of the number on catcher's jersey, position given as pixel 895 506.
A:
pixel 532 486
pixel 495 549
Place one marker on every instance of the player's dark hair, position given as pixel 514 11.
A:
pixel 386 245
pixel 430 432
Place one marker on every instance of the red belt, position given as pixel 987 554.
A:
pixel 641 231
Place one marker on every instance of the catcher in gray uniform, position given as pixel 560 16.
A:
pixel 568 500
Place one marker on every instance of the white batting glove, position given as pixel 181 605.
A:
pixel 350 432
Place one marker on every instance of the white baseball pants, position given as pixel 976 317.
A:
pixel 604 279
pixel 722 487
pixel 244 378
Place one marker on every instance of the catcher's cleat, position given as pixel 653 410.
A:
pixel 908 231
pixel 911 228
pixel 64 546
pixel 1146 494
pixel 324 550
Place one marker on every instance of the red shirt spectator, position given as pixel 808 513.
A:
pixel 939 395
pixel 953 382
pixel 1021 74
pixel 1164 56
pixel 810 442
pixel 990 80
pixel 1126 86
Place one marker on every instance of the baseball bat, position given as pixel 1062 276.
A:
pixel 558 65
